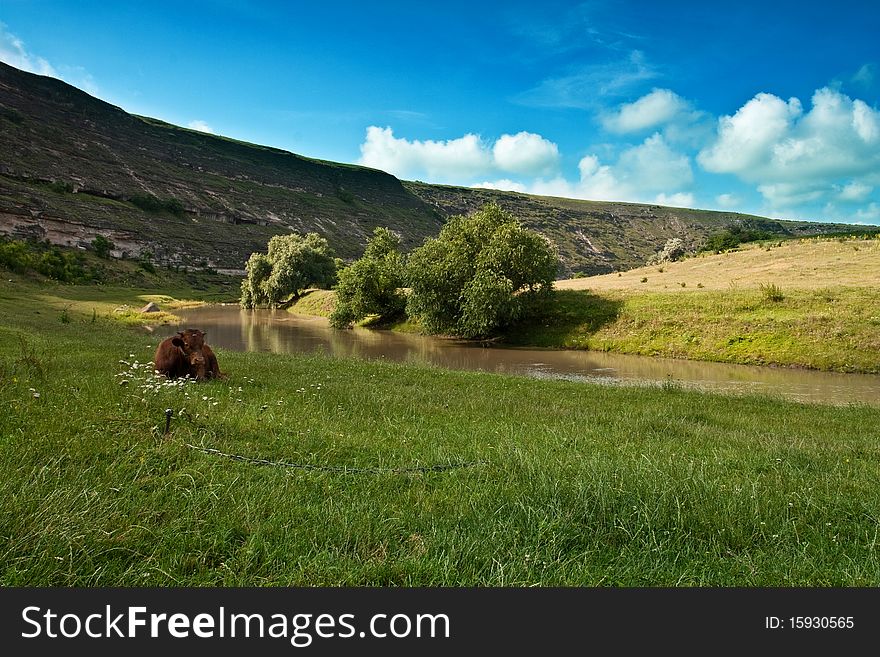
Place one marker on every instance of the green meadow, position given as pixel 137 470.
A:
pixel 374 473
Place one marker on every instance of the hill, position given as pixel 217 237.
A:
pixel 75 167
pixel 802 303
pixel 803 264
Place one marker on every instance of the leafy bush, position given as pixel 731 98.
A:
pixel 752 231
pixel 102 246
pixel 150 203
pixel 482 272
pixel 292 264
pixel 62 265
pixel 371 285
pixel 15 256
pixel 61 187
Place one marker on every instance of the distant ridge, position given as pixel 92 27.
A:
pixel 74 167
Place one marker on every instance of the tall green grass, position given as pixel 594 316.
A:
pixel 574 484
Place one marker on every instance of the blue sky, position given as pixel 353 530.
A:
pixel 763 107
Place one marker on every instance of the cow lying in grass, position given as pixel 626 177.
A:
pixel 186 354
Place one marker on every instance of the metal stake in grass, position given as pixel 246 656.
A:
pixel 168 413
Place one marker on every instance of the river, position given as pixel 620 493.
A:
pixel 229 327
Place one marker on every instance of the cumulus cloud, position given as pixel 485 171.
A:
pixel 799 158
pixel 443 161
pixel 505 184
pixel 526 153
pixel 679 200
pixel 650 172
pixel 456 160
pixel 201 126
pixel 772 141
pixel 855 191
pixel 788 194
pixel 727 200
pixel 656 108
pixel 746 139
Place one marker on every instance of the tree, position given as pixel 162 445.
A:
pixel 292 264
pixel 483 272
pixel 371 285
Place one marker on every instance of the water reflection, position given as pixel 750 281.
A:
pixel 229 327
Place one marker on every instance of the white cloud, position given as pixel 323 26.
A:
pixel 746 138
pixel 526 153
pixel 201 126
pixel 14 53
pixel 450 160
pixel 727 200
pixel 643 173
pixel 654 166
pixel 855 191
pixel 866 122
pixel 679 200
pixel 504 184
pixel 871 214
pixel 457 160
pixel 770 141
pixel 798 159
pixel 790 194
pixel 866 75
pixel 659 107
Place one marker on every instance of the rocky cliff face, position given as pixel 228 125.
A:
pixel 74 167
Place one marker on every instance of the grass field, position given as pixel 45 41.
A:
pixel 562 483
pixel 807 303
pixel 804 264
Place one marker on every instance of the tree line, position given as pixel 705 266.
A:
pixel 483 272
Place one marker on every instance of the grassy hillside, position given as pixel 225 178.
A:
pixel 84 166
pixel 551 482
pixel 74 167
pixel 595 237
pixel 800 264
pixel 807 303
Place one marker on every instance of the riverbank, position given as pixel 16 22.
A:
pixel 802 303
pixel 555 483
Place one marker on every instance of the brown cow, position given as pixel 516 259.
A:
pixel 186 354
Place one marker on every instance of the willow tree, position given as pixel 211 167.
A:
pixel 292 264
pixel 371 285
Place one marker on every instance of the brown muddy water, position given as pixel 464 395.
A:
pixel 229 327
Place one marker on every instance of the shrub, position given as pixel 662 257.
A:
pixel 102 246
pixel 482 272
pixel 371 285
pixel 15 256
pixel 151 203
pixel 61 187
pixel 771 292
pixel 145 262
